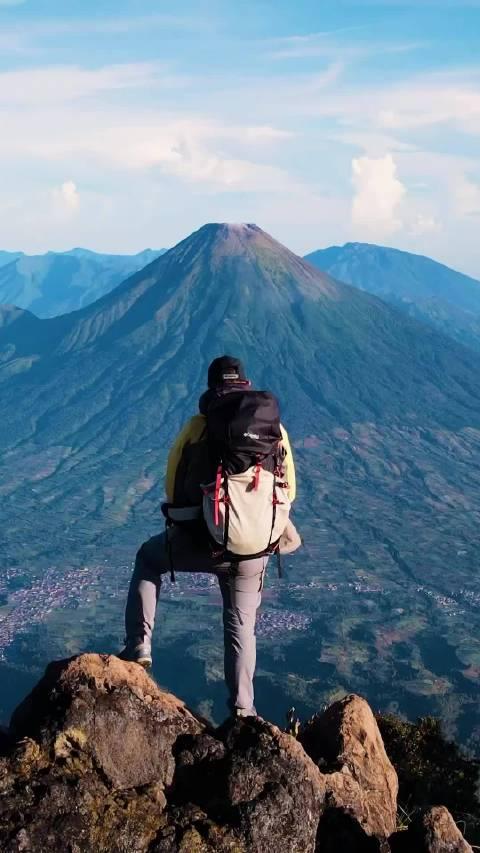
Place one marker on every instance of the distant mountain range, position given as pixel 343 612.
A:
pixel 56 283
pixel 8 257
pixel 423 288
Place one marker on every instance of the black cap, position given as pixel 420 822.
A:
pixel 226 368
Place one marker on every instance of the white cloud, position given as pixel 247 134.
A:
pixel 264 133
pixel 91 128
pixel 307 47
pixel 66 197
pixel 116 25
pixel 336 44
pixel 212 153
pixel 221 173
pixel 466 195
pixel 34 35
pixel 39 87
pixel 194 150
pixel 432 102
pixel 413 104
pixel 125 134
pixel 424 224
pixel 378 194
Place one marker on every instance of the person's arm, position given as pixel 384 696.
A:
pixel 289 465
pixel 183 438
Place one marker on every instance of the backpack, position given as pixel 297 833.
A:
pixel 246 507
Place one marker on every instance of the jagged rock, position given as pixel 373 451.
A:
pixel 60 812
pixel 5 741
pixel 431 831
pixel 339 831
pixel 189 830
pixel 100 760
pixel 92 758
pixel 258 781
pixel 200 750
pixel 346 744
pixel 110 711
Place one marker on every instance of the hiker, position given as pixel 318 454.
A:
pixel 229 484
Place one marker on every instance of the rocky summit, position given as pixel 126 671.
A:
pixel 99 758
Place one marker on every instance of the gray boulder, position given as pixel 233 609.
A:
pixel 345 743
pixel 432 831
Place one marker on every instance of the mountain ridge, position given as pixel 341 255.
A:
pixel 135 309
pixel 335 254
pixel 59 282
pixel 432 292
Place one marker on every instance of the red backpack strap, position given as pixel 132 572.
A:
pixel 218 483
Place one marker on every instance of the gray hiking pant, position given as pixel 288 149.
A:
pixel 241 587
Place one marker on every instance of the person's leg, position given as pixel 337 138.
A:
pixel 241 590
pixel 150 563
pixel 175 547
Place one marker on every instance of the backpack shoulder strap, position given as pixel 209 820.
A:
pixel 195 430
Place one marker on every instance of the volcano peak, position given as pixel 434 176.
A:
pixel 229 237
pixel 230 229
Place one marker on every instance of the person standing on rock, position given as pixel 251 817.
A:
pixel 230 483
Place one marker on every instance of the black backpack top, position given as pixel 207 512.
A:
pixel 243 427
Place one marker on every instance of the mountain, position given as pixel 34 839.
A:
pixel 384 415
pixel 23 338
pixel 328 350
pixel 56 283
pixel 8 257
pixel 423 288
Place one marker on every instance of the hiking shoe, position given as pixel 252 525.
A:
pixel 243 713
pixel 140 653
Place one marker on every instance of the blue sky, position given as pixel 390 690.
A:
pixel 129 124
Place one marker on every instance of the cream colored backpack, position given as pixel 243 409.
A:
pixel 246 507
